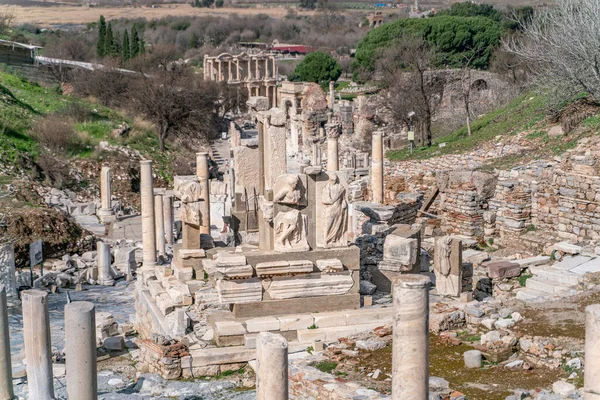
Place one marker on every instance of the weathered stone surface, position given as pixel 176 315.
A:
pixel 7 269
pixel 229 328
pixel 330 265
pixel 290 189
pixel 284 267
pixel 295 322
pixel 180 294
pixel 235 271
pixel 239 291
pixel 262 324
pixel 367 288
pixel 230 259
pixel 503 269
pixel 310 285
pixel 400 250
pixel 187 189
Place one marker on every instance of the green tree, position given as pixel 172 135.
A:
pixel 207 3
pixel 101 43
pixel 126 49
pixel 219 3
pixel 117 50
pixel 109 42
pixel 135 42
pixel 468 9
pixel 194 41
pixel 451 39
pixel 318 67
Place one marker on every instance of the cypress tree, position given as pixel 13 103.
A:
pixel 109 42
pixel 101 44
pixel 126 51
pixel 142 46
pixel 117 49
pixel 135 42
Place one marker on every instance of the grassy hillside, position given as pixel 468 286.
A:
pixel 527 117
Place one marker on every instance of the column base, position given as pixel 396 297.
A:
pixel 106 215
pixel 106 282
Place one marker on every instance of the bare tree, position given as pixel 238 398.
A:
pixel 410 87
pixel 7 18
pixel 563 44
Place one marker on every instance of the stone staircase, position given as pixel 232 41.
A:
pixel 559 280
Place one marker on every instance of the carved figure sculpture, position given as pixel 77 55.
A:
pixel 333 198
pixel 447 268
pixel 289 232
pixel 291 192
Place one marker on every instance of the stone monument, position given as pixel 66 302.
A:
pixel 448 266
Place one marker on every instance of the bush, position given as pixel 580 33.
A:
pixel 318 67
pixel 58 134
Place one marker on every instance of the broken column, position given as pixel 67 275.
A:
pixel 38 351
pixel 159 224
pixel 105 212
pixel 6 388
pixel 448 267
pixel 104 262
pixel 410 353
pixel 203 175
pixel 333 133
pixel 168 218
pixel 80 339
pixel 272 367
pixel 331 94
pixel 148 231
pixel 591 377
pixel 377 168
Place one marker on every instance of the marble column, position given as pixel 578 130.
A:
pixel 6 387
pixel 257 69
pixel 38 347
pixel 168 218
pixel 105 212
pixel 159 224
pixel 202 173
pixel 148 230
pixel 272 367
pixel 333 131
pixel 591 374
pixel 250 71
pixel 331 94
pixel 104 262
pixel 237 70
pixel 377 168
pixel 229 71
pixel 266 61
pixel 80 340
pixel 220 71
pixel 410 351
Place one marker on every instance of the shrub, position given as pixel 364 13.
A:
pixel 57 133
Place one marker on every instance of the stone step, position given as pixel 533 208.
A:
pixel 532 296
pixel 569 263
pixel 228 355
pixel 533 261
pixel 550 287
pixel 556 275
pixel 334 333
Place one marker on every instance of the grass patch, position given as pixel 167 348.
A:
pixel 522 113
pixel 523 279
pixel 466 336
pixel 325 366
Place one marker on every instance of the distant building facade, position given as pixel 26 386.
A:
pixel 256 72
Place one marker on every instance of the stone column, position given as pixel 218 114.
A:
pixel 6 388
pixel 38 351
pixel 274 67
pixel 237 70
pixel 229 72
pixel 591 377
pixel 333 133
pixel 250 71
pixel 331 94
pixel 220 78
pixel 377 168
pixel 272 367
pixel 159 224
pixel 257 70
pixel 80 340
pixel 148 231
pixel 105 212
pixel 168 217
pixel 266 61
pixel 203 176
pixel 104 262
pixel 410 352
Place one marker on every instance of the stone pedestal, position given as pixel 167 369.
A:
pixel 105 213
pixel 6 388
pixel 159 224
pixel 168 218
pixel 202 172
pixel 272 367
pixel 80 338
pixel 591 388
pixel 377 168
pixel 148 230
pixel 410 353
pixel 104 262
pixel 38 350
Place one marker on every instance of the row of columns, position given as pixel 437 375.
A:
pixel 232 67
pixel 410 359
